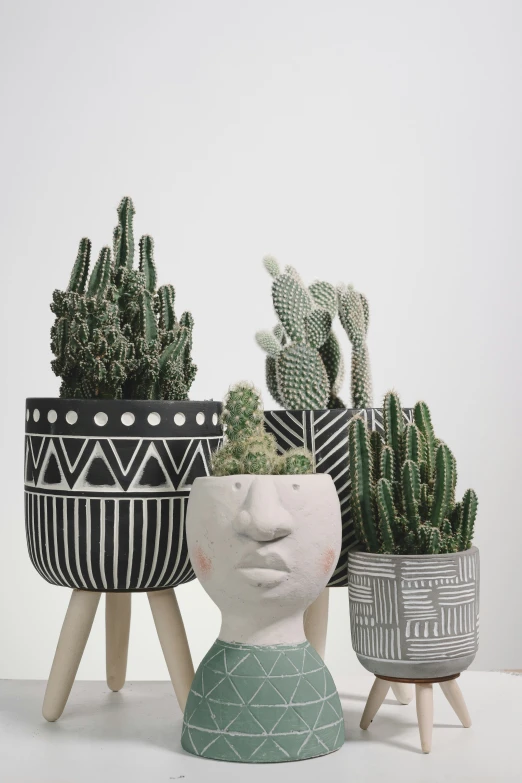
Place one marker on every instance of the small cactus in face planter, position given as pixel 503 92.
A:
pixel 403 487
pixel 304 363
pixel 115 335
pixel 248 448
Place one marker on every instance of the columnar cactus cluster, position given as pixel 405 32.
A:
pixel 249 449
pixel 304 363
pixel 403 486
pixel 116 335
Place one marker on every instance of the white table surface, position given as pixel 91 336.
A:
pixel 134 737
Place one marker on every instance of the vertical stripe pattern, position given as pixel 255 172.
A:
pixel 108 544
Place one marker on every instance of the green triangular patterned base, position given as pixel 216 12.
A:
pixel 262 704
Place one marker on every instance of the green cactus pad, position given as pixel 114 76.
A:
pixel 292 304
pixel 260 704
pixel 301 378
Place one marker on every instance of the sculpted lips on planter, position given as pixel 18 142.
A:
pixel 263 568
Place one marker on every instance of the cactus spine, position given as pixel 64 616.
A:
pixel 403 486
pixel 304 363
pixel 114 335
pixel 249 449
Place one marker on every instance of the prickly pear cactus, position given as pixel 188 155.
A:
pixel 304 368
pixel 115 335
pixel 248 448
pixel 403 487
pixel 304 363
pixel 354 314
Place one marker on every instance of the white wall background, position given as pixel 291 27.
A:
pixel 374 142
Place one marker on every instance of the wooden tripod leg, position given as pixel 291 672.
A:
pixel 71 644
pixel 424 698
pixel 173 640
pixel 454 695
pixel 316 622
pixel 117 627
pixel 402 691
pixel 376 697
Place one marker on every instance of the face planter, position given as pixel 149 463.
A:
pixel 263 548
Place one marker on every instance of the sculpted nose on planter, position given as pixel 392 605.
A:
pixel 262 516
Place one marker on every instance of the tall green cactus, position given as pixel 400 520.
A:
pixel 403 486
pixel 114 335
pixel 249 449
pixel 304 363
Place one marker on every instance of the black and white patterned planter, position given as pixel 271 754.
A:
pixel 414 616
pixel 106 489
pixel 325 434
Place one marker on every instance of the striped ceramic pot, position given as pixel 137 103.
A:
pixel 325 434
pixel 414 616
pixel 106 489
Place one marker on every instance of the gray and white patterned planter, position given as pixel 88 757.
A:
pixel 106 489
pixel 414 616
pixel 325 434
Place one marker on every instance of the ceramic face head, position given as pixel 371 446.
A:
pixel 272 539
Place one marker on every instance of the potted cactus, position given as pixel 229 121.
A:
pixel 414 584
pixel 110 463
pixel 264 534
pixel 305 372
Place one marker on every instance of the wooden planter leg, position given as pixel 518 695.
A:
pixel 402 691
pixel 376 697
pixel 424 699
pixel 117 627
pixel 316 622
pixel 173 640
pixel 71 644
pixel 454 695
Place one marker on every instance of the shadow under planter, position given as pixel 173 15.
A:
pixel 106 489
pixel 415 618
pixel 325 434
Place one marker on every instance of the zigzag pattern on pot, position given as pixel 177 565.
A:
pixel 112 465
pixel 325 434
pixel 434 600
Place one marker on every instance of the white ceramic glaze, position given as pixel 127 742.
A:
pixel 263 547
